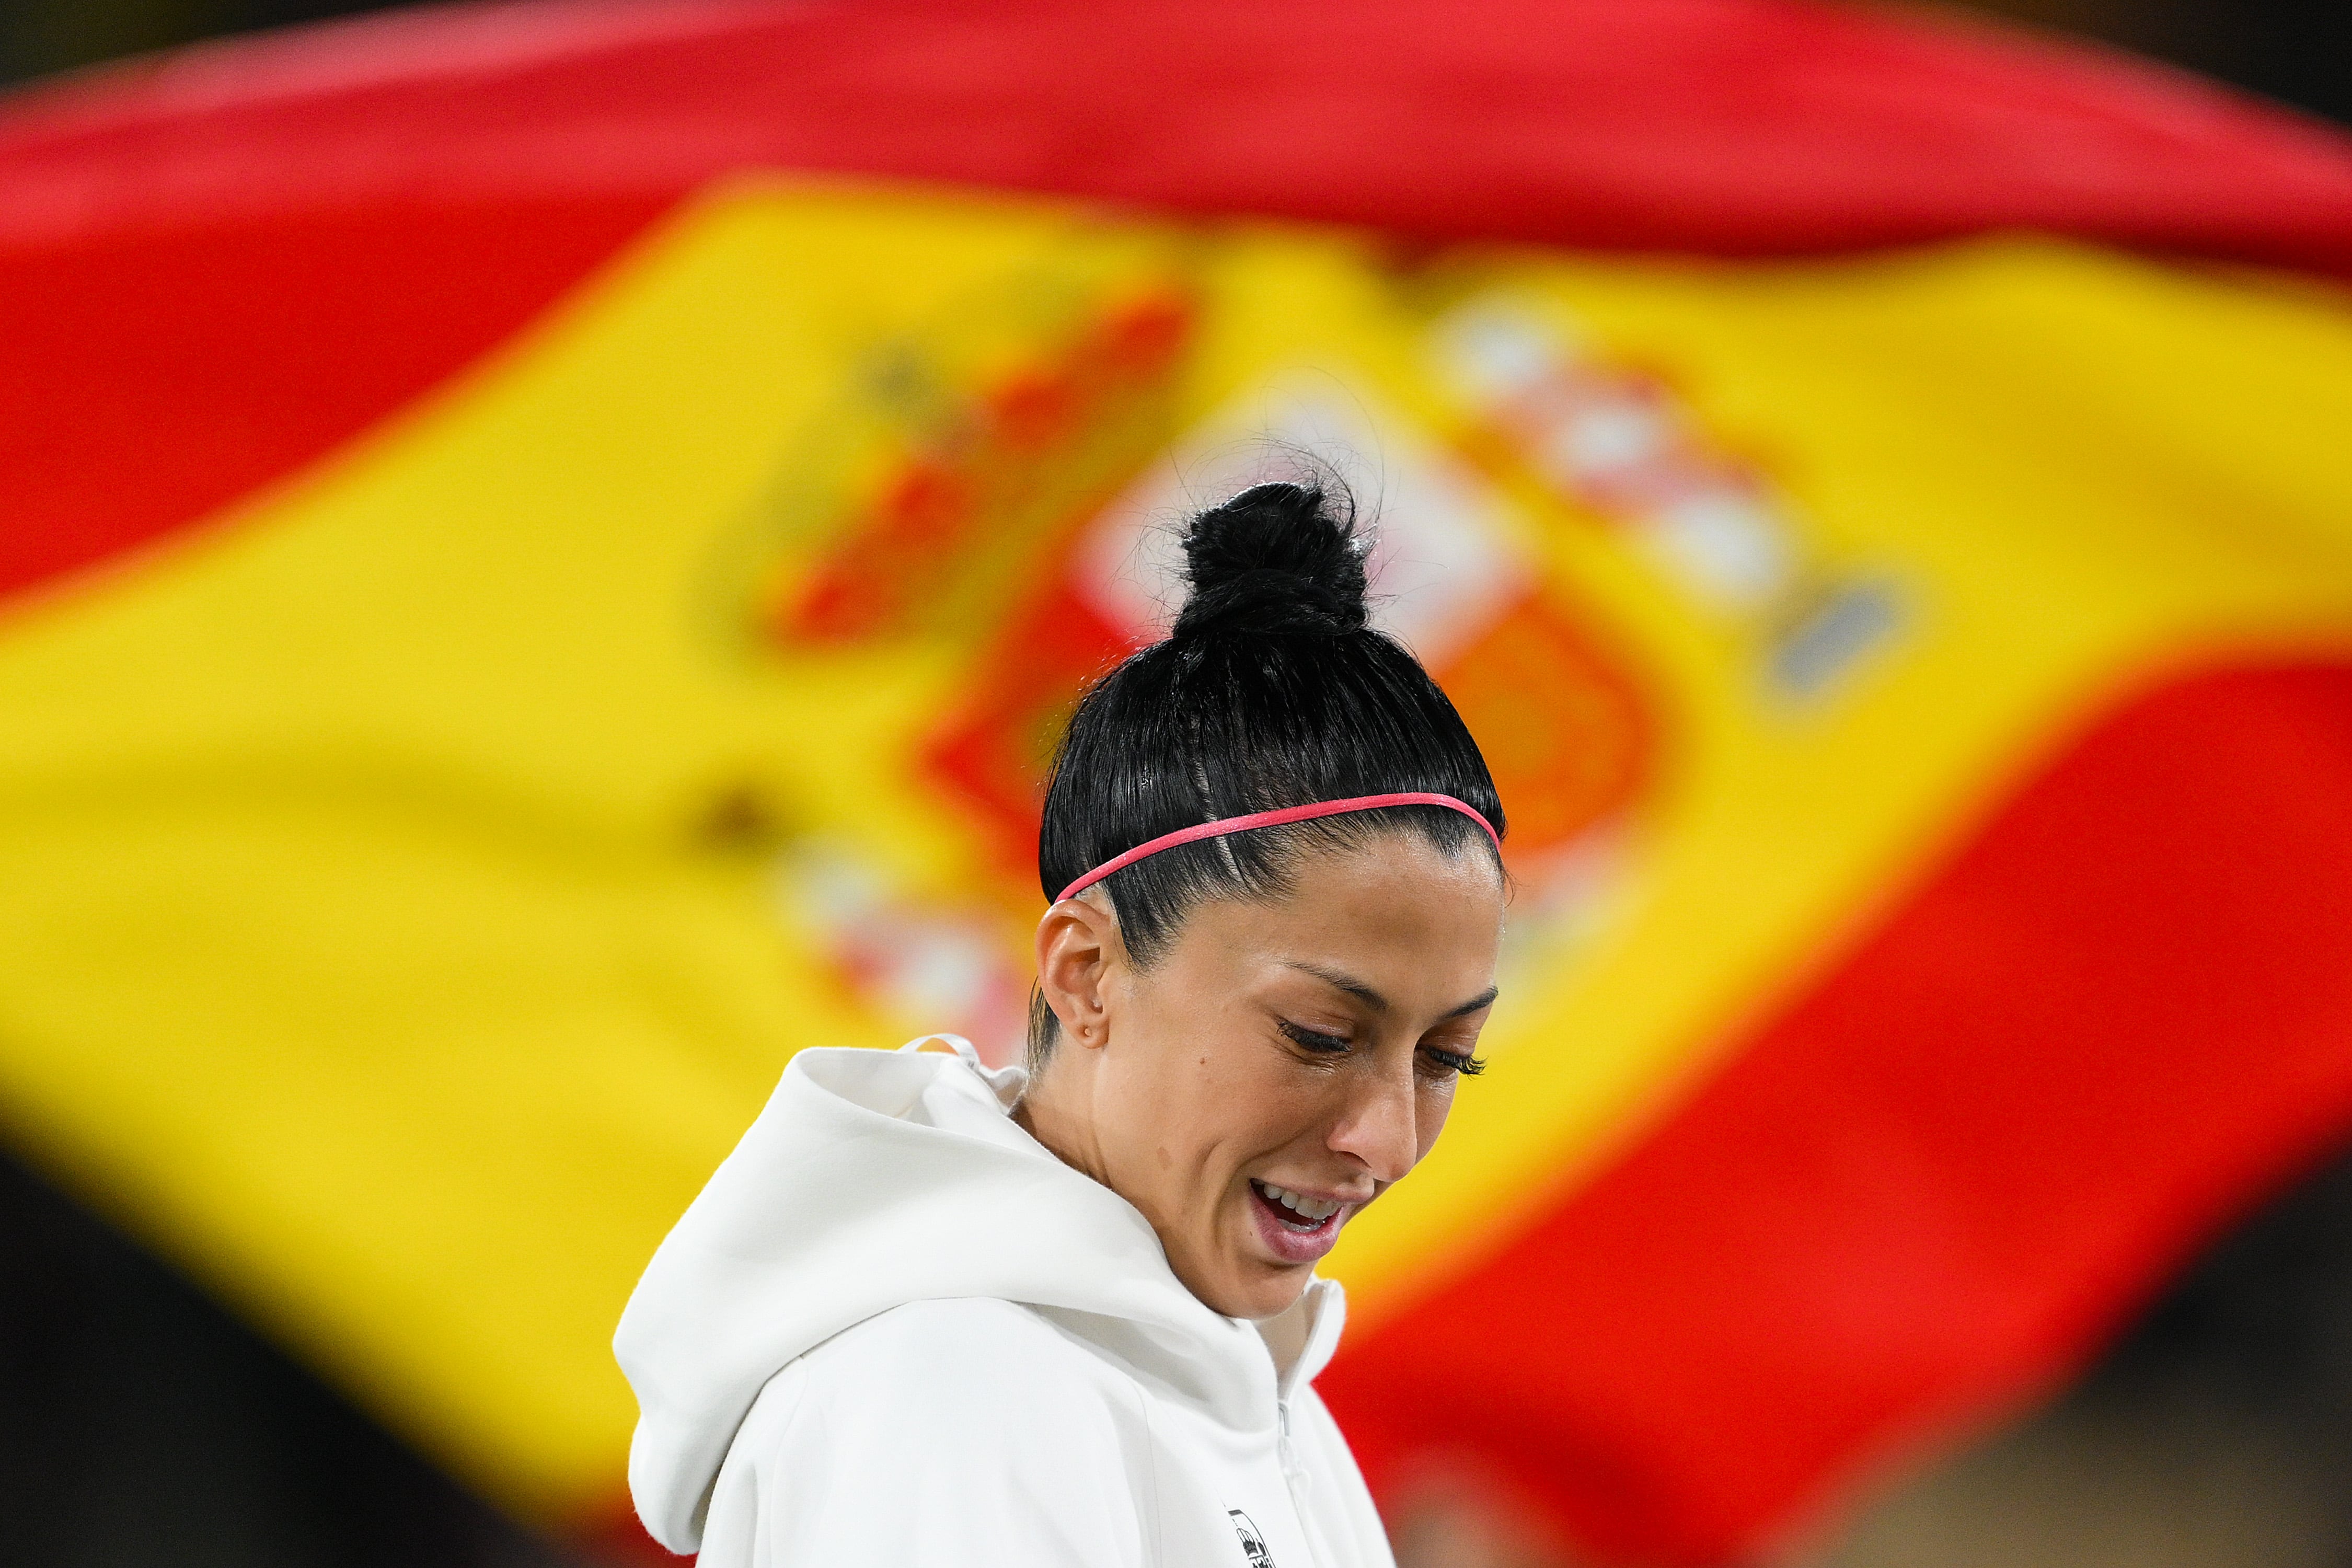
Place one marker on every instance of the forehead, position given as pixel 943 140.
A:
pixel 1395 903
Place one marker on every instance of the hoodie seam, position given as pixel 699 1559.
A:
pixel 1153 1537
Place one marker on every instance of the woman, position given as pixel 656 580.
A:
pixel 927 1314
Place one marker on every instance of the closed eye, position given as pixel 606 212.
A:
pixel 1311 1040
pixel 1456 1061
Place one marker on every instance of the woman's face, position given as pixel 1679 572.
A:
pixel 1279 1065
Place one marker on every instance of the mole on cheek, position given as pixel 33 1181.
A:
pixel 1165 1160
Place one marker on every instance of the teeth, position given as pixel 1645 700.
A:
pixel 1313 1211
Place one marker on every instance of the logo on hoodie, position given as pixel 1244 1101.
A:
pixel 1253 1544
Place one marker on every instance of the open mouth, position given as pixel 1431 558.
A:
pixel 1293 1227
pixel 1295 1211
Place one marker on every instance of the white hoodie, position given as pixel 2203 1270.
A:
pixel 895 1330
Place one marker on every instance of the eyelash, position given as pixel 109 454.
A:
pixel 1467 1066
pixel 1332 1045
pixel 1311 1040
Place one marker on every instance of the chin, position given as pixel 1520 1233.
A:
pixel 1272 1294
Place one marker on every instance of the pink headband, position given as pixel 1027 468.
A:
pixel 1224 825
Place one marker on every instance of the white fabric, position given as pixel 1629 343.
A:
pixel 895 1330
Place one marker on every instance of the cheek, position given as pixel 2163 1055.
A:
pixel 1429 1120
pixel 1242 1104
pixel 1175 1105
pixel 1208 1108
pixel 1207 1094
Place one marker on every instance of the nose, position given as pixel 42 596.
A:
pixel 1377 1124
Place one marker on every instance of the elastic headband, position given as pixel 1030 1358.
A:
pixel 1224 825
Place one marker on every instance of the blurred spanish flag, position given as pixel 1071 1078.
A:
pixel 545 543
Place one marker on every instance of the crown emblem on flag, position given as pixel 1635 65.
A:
pixel 1006 484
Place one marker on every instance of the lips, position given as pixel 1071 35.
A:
pixel 1295 1227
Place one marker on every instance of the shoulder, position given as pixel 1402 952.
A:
pixel 965 1431
pixel 954 1376
pixel 938 1331
pixel 962 1349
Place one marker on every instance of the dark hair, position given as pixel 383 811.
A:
pixel 1270 690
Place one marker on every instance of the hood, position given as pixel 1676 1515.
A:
pixel 876 1178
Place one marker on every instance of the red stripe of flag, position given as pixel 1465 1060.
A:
pixel 150 377
pixel 214 270
pixel 2121 1009
pixel 1720 126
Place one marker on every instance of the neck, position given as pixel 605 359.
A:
pixel 1057 1112
pixel 1286 1335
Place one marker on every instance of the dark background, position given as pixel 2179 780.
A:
pixel 142 1425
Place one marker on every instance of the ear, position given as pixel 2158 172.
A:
pixel 1077 945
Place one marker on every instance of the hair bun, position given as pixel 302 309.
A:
pixel 1276 558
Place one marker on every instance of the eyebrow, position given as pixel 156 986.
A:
pixel 1338 980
